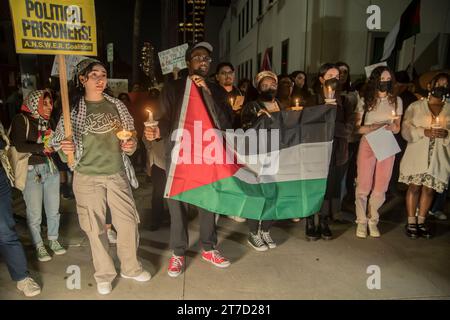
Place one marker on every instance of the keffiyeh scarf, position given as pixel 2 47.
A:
pixel 78 119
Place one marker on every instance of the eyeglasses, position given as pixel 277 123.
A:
pixel 206 59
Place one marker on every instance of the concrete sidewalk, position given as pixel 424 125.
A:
pixel 297 269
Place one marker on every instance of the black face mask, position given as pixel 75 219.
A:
pixel 268 95
pixel 333 83
pixel 441 93
pixel 385 86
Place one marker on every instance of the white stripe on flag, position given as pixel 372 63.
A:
pixel 391 40
pixel 307 161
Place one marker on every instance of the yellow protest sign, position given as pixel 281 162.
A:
pixel 54 26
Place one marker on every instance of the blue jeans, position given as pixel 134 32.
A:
pixel 42 186
pixel 10 247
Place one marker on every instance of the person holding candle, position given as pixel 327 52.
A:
pixel 425 167
pixel 198 60
pixel 301 91
pixel 103 138
pixel 30 133
pixel 225 93
pixel 330 91
pixel 156 165
pixel 374 111
pixel 284 94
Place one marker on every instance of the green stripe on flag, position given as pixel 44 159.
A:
pixel 267 201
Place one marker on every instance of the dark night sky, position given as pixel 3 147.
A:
pixel 115 22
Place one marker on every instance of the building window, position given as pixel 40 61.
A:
pixel 247 11
pixel 228 42
pixel 258 66
pixel 251 15
pixel 285 56
pixel 243 23
pixel 239 34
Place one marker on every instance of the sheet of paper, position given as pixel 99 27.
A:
pixel 383 144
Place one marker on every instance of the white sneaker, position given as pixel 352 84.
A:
pixel 29 287
pixel 104 288
pixel 373 230
pixel 143 277
pixel 361 230
pixel 438 215
pixel 112 236
pixel 296 220
pixel 238 219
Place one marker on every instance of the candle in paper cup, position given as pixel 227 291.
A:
pixel 124 135
pixel 232 102
pixel 436 124
pixel 297 102
pixel 150 121
pixel 150 115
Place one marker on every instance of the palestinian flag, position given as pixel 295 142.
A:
pixel 284 177
pixel 408 26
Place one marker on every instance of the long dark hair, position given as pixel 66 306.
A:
pixel 303 92
pixel 371 89
pixel 76 89
pixel 347 87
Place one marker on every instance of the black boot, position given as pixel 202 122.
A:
pixel 412 231
pixel 311 232
pixel 324 229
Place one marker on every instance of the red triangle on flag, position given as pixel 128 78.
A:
pixel 190 168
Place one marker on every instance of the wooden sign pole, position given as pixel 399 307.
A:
pixel 65 103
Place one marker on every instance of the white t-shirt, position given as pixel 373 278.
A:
pixel 382 113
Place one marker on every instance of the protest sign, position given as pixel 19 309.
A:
pixel 118 86
pixel 54 26
pixel 173 58
pixel 71 63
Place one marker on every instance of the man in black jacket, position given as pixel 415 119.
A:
pixel 198 59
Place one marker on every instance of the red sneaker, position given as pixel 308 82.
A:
pixel 215 258
pixel 175 266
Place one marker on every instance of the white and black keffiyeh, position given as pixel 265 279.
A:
pixel 78 119
pixel 31 105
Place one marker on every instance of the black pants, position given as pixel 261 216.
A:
pixel 253 225
pixel 179 237
pixel 332 201
pixel 159 184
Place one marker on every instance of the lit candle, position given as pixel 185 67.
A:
pixel 436 124
pixel 124 135
pixel 150 121
pixel 232 102
pixel 150 115
pixel 297 102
